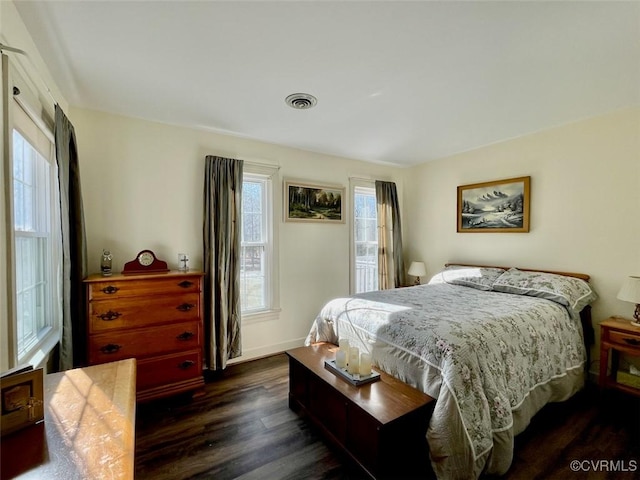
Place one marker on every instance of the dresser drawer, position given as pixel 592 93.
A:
pixel 134 312
pixel 118 288
pixel 108 347
pixel 626 339
pixel 168 369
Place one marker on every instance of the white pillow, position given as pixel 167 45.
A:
pixel 481 278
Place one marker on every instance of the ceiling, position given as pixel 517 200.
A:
pixel 397 82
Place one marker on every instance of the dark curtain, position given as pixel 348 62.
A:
pixel 74 245
pixel 222 212
pixel 390 260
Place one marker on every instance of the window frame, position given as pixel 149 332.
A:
pixel 266 174
pixel 354 186
pixel 34 131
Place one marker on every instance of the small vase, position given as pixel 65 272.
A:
pixel 105 263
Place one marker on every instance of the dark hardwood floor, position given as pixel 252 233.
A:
pixel 242 428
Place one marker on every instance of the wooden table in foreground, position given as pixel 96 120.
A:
pixel 88 430
pixel 381 425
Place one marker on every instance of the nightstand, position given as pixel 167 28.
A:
pixel 619 336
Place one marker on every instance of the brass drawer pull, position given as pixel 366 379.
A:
pixel 110 315
pixel 185 284
pixel 185 336
pixel 186 364
pixel 632 341
pixel 110 289
pixel 110 348
pixel 185 307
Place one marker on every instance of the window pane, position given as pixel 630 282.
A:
pixel 30 186
pixel 252 212
pixel 31 290
pixel 252 196
pixel 252 227
pixel 254 264
pixel 252 278
pixel 35 274
pixel 372 230
pixel 371 206
pixel 359 205
pixel 18 146
pixel 366 240
pixel 360 230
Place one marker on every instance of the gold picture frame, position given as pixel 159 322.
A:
pixel 21 399
pixel 500 206
pixel 310 202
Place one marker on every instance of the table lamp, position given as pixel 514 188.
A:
pixel 630 292
pixel 417 269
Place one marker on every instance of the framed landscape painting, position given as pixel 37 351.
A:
pixel 501 206
pixel 308 202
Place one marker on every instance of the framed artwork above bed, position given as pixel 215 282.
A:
pixel 500 206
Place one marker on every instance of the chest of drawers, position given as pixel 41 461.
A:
pixel 156 319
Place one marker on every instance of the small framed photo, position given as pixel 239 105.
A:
pixel 309 202
pixel 22 400
pixel 501 206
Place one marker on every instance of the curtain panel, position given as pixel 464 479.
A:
pixel 390 260
pixel 74 245
pixel 222 212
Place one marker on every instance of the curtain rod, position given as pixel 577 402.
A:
pixel 7 48
pixel 12 49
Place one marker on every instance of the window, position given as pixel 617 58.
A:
pixel 365 244
pixel 258 279
pixel 254 262
pixel 36 239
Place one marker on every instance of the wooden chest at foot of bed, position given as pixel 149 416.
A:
pixel 380 425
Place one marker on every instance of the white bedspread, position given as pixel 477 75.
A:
pixel 491 359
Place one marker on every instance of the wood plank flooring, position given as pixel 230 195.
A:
pixel 242 428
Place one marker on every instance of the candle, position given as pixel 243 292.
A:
pixel 341 358
pixel 344 343
pixel 365 364
pixel 354 360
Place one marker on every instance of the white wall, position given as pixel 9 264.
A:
pixel 142 186
pixel 585 205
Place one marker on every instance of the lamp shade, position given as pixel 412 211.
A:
pixel 417 269
pixel 630 291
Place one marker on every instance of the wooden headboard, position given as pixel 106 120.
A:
pixel 585 313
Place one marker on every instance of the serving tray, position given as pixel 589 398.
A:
pixel 355 379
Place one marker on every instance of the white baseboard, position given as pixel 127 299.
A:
pixel 265 351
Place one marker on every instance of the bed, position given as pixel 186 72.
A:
pixel 493 345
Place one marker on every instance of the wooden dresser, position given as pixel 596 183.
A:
pixel 155 318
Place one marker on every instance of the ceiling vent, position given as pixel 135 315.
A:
pixel 301 101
